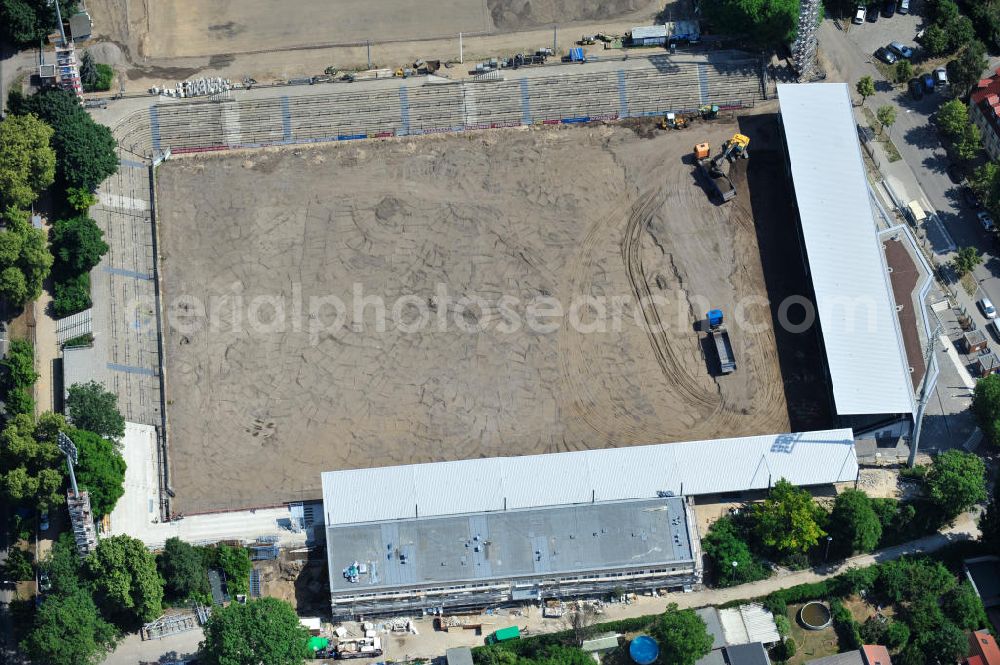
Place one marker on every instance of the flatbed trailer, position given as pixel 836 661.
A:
pixel 727 361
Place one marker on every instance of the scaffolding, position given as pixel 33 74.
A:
pixel 81 517
pixel 804 48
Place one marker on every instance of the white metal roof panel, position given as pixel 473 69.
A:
pixel 649 32
pixel 864 348
pixel 610 474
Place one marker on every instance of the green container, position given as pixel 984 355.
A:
pixel 504 634
pixel 317 643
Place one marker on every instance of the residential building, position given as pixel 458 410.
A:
pixel 984 111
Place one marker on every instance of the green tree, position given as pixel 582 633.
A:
pixel 765 22
pixel 909 580
pixel 19 365
pixel 71 295
pixel 80 200
pixel 956 482
pixel 788 520
pixel 966 69
pixel 853 523
pixel 989 523
pixel 85 150
pixel 683 636
pixel 966 260
pixel 101 470
pixel 724 546
pixel 235 563
pixel 886 116
pixel 897 635
pixel 13 285
pixel 27 162
pixel 19 565
pixel 865 87
pixel 35 261
pixel 963 606
pixel 30 464
pixel 904 70
pixel 78 243
pixel 93 408
pixel 126 585
pixel 24 22
pixel 969 144
pixel 265 631
pixel 960 32
pixel 88 72
pixel 952 117
pixel 935 40
pixel 183 569
pixel 944 643
pixel 68 630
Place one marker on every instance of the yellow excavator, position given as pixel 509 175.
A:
pixel 673 121
pixel 716 169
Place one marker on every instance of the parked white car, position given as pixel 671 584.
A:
pixel 987 308
pixel 859 15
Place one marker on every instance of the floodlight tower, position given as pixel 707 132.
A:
pixel 81 517
pixel 68 448
pixel 804 48
pixel 62 32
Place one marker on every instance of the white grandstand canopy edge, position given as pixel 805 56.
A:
pixel 611 474
pixel 861 335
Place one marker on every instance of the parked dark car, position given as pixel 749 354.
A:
pixel 928 81
pixel 916 89
pixel 889 8
pixel 888 57
pixel 955 173
pixel 970 197
pixel 873 13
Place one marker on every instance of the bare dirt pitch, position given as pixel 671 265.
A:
pixel 602 211
pixel 188 28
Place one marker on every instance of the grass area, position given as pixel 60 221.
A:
pixel 810 644
pixel 969 283
pixel 881 136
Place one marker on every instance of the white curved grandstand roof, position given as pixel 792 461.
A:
pixel 864 349
pixel 610 474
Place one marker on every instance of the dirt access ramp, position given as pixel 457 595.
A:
pixel 597 212
pixel 200 28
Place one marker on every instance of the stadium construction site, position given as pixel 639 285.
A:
pixel 236 226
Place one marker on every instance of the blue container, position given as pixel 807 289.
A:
pixel 644 650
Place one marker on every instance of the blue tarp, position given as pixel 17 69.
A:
pixel 576 55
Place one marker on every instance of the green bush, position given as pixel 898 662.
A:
pixel 848 635
pixel 79 341
pixel 19 401
pixel 235 563
pixel 71 295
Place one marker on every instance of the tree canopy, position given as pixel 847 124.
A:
pixel 68 630
pixel 235 563
pixel 683 636
pixel 78 243
pixel 126 585
pixel 93 408
pixel 724 545
pixel 101 470
pixel 952 117
pixel 956 482
pixel 265 631
pixel 964 606
pixel 183 568
pixel 24 22
pixel 854 525
pixel 85 150
pixel 865 87
pixel 966 69
pixel 27 161
pixel 765 22
pixel 30 471
pixel 24 250
pixel 986 406
pixel 789 520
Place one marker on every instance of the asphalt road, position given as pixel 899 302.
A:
pixel 914 136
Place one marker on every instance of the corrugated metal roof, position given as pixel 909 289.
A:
pixel 649 32
pixel 610 474
pixel 748 623
pixel 856 312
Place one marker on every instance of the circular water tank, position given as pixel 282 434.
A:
pixel 644 650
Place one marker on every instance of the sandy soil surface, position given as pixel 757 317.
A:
pixel 185 28
pixel 601 212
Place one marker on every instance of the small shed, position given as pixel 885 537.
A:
pixel 46 72
pixel 988 363
pixel 975 341
pixel 313 624
pixel 600 645
pixel 458 656
pixel 649 35
pixel 916 213
pixel 81 26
